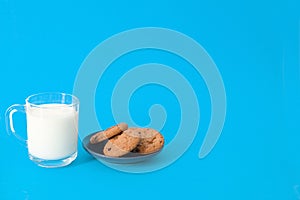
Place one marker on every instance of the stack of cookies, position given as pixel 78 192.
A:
pixel 122 140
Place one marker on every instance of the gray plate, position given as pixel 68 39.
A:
pixel 96 151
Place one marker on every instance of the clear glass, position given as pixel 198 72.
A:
pixel 52 128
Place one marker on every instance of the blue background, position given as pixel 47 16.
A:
pixel 255 45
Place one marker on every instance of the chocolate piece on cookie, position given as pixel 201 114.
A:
pixel 151 140
pixel 121 144
pixel 108 133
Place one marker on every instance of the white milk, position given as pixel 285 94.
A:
pixel 52 131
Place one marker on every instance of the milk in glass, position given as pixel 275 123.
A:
pixel 52 131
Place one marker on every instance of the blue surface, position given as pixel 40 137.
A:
pixel 256 46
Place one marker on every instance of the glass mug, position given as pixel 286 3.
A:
pixel 52 128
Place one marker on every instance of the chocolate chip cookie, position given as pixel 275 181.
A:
pixel 108 133
pixel 121 144
pixel 151 140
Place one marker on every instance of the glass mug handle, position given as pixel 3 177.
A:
pixel 9 120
